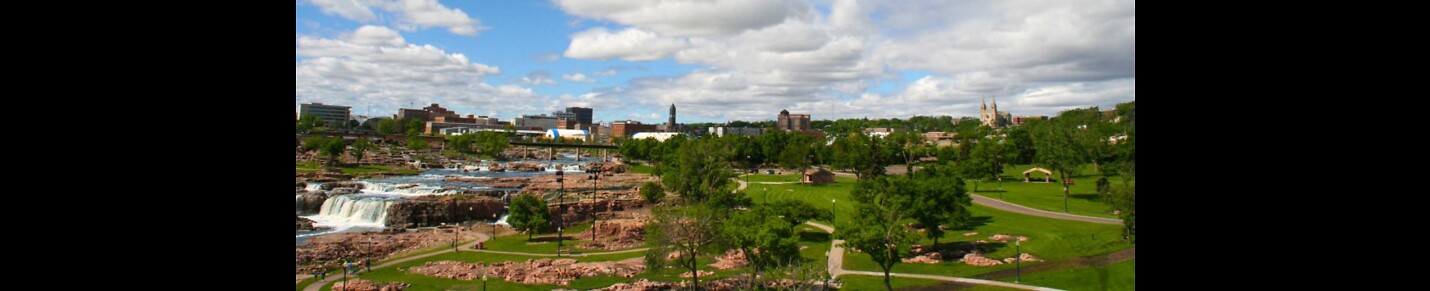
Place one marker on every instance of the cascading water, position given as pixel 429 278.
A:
pixel 408 189
pixel 314 186
pixel 298 203
pixel 355 209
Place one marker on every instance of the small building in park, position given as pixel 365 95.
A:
pixel 1028 175
pixel 818 176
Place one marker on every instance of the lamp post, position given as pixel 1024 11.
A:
pixel 833 210
pixel 561 208
pixel 595 177
pixel 484 280
pixel 494 226
pixel 1018 245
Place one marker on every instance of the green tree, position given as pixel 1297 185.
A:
pixel 1058 150
pixel 417 143
pixel 766 239
pixel 884 202
pixel 332 148
pixel 388 126
pixel 979 165
pixel 1123 200
pixel 700 169
pixel 359 148
pixel 308 122
pixel 795 154
pixel 313 142
pixel 463 143
pixel 652 192
pixel 529 213
pixel 492 143
pixel 859 153
pixel 939 198
pixel 796 212
pixel 414 127
pixel 691 231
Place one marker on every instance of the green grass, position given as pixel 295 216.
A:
pixel 1082 200
pixel 820 196
pixel 1047 239
pixel 1119 276
pixel 306 167
pixel 643 169
pixel 762 177
pixel 519 243
pixel 862 282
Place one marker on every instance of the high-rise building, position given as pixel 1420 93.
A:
pixel 582 114
pixel 332 115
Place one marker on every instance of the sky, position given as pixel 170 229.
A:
pixel 717 60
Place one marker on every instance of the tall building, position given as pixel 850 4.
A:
pixel 332 115
pixel 542 121
pixel 426 113
pixel 993 118
pixel 582 114
pixel 792 122
pixel 670 125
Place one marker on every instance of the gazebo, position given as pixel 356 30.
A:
pixel 1047 175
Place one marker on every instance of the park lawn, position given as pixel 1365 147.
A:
pixel 1119 276
pixel 817 242
pixel 865 282
pixel 518 242
pixel 820 196
pixel 1048 239
pixel 762 177
pixel 1082 198
pixel 307 167
pixel 643 169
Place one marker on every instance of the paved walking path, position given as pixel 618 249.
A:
pixel 468 247
pixel 836 268
pixel 1015 208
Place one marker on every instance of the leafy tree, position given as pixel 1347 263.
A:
pixel 1058 150
pixel 796 212
pixel 939 198
pixel 860 153
pixel 359 148
pixel 414 127
pixel 905 145
pixel 767 240
pixel 332 148
pixel 691 231
pixel 312 143
pixel 794 154
pixel 1123 200
pixel 308 122
pixel 652 192
pixel 529 213
pixel 417 143
pixel 388 126
pixel 352 124
pixel 492 143
pixel 884 201
pixel 698 170
pixel 463 143
pixel 979 165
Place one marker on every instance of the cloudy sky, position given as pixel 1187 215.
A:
pixel 717 60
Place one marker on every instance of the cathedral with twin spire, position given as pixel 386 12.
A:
pixel 993 118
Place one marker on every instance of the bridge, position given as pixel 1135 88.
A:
pixel 564 145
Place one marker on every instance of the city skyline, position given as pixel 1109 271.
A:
pixel 731 60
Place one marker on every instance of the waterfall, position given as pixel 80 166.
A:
pixel 313 186
pixel 355 210
pixel 298 204
pixel 409 189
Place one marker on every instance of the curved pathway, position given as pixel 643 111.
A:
pixel 1020 209
pixel 836 268
pixel 316 286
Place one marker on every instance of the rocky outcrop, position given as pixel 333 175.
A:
pixel 495 167
pixel 356 284
pixel 732 259
pixel 436 209
pixel 525 167
pixel 615 234
pixel 533 271
pixel 304 223
pixel 607 168
pixel 313 201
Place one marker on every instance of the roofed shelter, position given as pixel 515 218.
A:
pixel 1047 175
pixel 818 176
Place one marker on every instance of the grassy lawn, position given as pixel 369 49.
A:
pixel 820 196
pixel 1047 239
pixel 539 245
pixel 1119 276
pixel 306 167
pixel 862 282
pixel 643 169
pixel 762 177
pixel 1083 199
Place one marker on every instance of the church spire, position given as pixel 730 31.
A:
pixel 995 103
pixel 985 104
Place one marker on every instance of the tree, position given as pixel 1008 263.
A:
pixel 884 201
pixel 652 192
pixel 859 153
pixel 463 143
pixel 414 127
pixel 796 212
pixel 691 231
pixel 795 154
pixel 388 126
pixel 980 163
pixel 766 239
pixel 312 143
pixel 416 143
pixel 351 124
pixel 492 143
pixel 308 122
pixel 699 169
pixel 1123 200
pixel 359 148
pixel 332 148
pixel 529 213
pixel 906 143
pixel 1058 150
pixel 939 198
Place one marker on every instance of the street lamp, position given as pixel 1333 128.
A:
pixel 1018 244
pixel 484 277
pixel 494 226
pixel 833 210
pixel 560 207
pixel 595 177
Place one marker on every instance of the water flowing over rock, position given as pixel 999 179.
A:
pixel 366 209
pixel 311 201
pixel 436 209
pixel 334 185
pixel 304 223
pixel 525 167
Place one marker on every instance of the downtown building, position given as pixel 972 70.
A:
pixel 333 116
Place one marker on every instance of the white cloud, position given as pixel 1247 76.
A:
pixel 578 77
pixel 373 67
pixel 547 57
pixel 630 44
pixel 688 17
pixel 538 78
pixel 410 14
pixel 606 73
